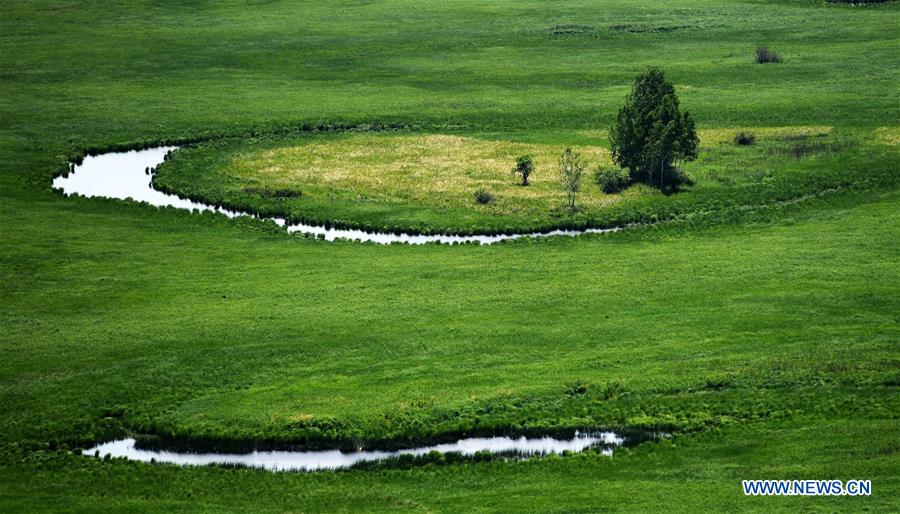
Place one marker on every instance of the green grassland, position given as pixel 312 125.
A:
pixel 759 327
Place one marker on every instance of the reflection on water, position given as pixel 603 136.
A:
pixel 335 459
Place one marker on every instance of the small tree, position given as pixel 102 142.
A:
pixel 571 167
pixel 524 166
pixel 650 133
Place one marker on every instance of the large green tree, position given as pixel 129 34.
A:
pixel 651 135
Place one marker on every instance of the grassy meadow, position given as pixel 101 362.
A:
pixel 759 326
pixel 426 183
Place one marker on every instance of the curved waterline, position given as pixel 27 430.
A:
pixel 127 176
pixel 279 460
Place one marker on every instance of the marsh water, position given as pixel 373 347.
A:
pixel 335 459
pixel 124 175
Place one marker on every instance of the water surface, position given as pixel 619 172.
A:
pixel 334 459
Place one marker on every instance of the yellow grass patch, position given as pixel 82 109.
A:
pixel 435 170
pixel 442 171
pixel 888 135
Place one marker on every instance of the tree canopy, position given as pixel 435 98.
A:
pixel 650 134
pixel 524 167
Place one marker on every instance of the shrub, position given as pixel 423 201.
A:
pixel 611 180
pixel 483 197
pixel 764 55
pixel 576 389
pixel 744 139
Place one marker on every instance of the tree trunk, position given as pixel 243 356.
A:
pixel 661 163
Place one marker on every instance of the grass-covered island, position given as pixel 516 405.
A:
pixel 749 311
pixel 428 183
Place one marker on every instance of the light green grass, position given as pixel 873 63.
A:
pixel 389 181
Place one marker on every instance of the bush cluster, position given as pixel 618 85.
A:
pixel 744 139
pixel 483 197
pixel 764 55
pixel 611 180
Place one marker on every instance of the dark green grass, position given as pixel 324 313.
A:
pixel 210 346
pixel 164 69
pixel 695 474
pixel 767 339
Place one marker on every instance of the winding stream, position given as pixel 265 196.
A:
pixel 335 459
pixel 123 175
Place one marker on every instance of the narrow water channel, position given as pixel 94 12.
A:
pixel 335 459
pixel 123 175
